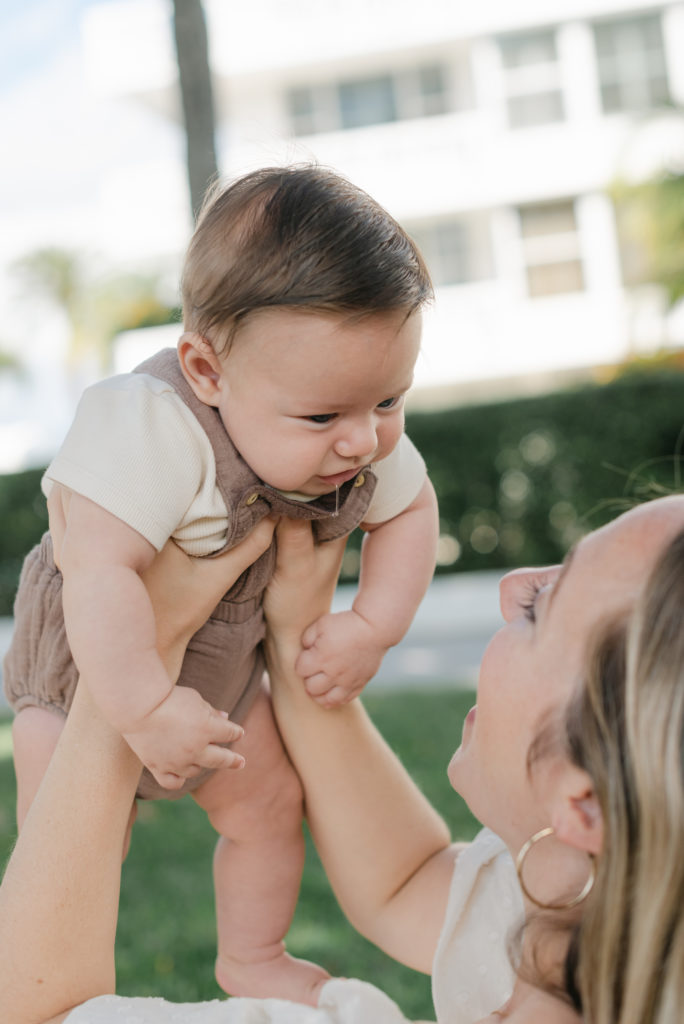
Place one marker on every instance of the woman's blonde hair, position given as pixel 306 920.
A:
pixel 626 729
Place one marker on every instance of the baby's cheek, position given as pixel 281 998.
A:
pixel 388 440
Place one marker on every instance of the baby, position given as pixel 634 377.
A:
pixel 302 323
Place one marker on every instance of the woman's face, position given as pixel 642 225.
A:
pixel 535 661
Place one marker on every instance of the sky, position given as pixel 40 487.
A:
pixel 67 179
pixel 57 138
pixel 52 146
pixel 44 103
pixel 57 133
pixel 32 33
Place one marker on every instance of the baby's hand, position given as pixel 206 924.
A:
pixel 181 736
pixel 341 653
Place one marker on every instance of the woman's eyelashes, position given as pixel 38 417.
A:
pixel 531 587
pixel 528 599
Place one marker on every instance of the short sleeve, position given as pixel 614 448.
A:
pixel 472 973
pixel 400 477
pixel 133 449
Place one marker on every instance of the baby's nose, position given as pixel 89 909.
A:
pixel 359 440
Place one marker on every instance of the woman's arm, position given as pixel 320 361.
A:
pixel 60 893
pixel 384 848
pixel 59 897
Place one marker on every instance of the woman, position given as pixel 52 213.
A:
pixel 525 766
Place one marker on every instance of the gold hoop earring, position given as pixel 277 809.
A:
pixel 544 833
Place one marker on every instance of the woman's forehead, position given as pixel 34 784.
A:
pixel 618 557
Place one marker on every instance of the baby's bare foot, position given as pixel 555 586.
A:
pixel 281 977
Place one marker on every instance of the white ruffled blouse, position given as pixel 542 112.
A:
pixel 472 973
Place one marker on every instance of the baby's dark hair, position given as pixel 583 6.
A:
pixel 301 237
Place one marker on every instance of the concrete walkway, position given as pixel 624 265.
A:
pixel 444 644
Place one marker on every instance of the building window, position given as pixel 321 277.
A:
pixel 424 91
pixel 551 250
pixel 367 101
pixel 377 99
pixel 456 250
pixel 311 110
pixel 531 78
pixel 631 63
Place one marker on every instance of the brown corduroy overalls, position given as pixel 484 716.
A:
pixel 224 660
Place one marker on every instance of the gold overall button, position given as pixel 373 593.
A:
pixel 360 480
pixel 252 498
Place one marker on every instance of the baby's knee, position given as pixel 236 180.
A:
pixel 273 807
pixel 286 796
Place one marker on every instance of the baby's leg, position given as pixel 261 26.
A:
pixel 35 732
pixel 258 865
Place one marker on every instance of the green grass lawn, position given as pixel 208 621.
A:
pixel 166 942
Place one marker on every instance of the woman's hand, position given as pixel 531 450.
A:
pixel 304 582
pixel 184 591
pixel 384 849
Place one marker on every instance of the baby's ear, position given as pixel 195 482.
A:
pixel 577 817
pixel 201 366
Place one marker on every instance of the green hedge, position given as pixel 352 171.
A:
pixel 517 481
pixel 23 520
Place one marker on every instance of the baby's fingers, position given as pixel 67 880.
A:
pixel 335 697
pixel 169 780
pixel 222 730
pixel 216 758
pixel 310 635
pixel 308 663
pixel 318 684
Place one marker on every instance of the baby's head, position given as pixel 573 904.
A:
pixel 298 237
pixel 301 303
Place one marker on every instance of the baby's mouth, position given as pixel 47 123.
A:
pixel 337 479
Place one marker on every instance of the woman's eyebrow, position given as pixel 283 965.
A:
pixel 566 565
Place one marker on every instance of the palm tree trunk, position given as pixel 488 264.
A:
pixel 192 52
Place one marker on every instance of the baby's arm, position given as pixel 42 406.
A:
pixel 343 651
pixel 111 630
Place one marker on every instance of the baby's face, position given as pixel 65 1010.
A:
pixel 308 399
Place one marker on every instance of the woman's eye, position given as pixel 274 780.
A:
pixel 324 417
pixel 389 403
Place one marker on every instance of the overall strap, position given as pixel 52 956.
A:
pixel 248 499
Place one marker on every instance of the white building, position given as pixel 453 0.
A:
pixel 491 131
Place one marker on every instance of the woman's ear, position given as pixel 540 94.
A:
pixel 576 816
pixel 201 367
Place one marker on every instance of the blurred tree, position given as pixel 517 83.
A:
pixel 649 203
pixel 58 276
pixel 651 224
pixel 192 53
pixel 95 308
pixel 9 363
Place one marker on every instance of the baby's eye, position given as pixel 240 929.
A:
pixel 323 417
pixel 389 403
